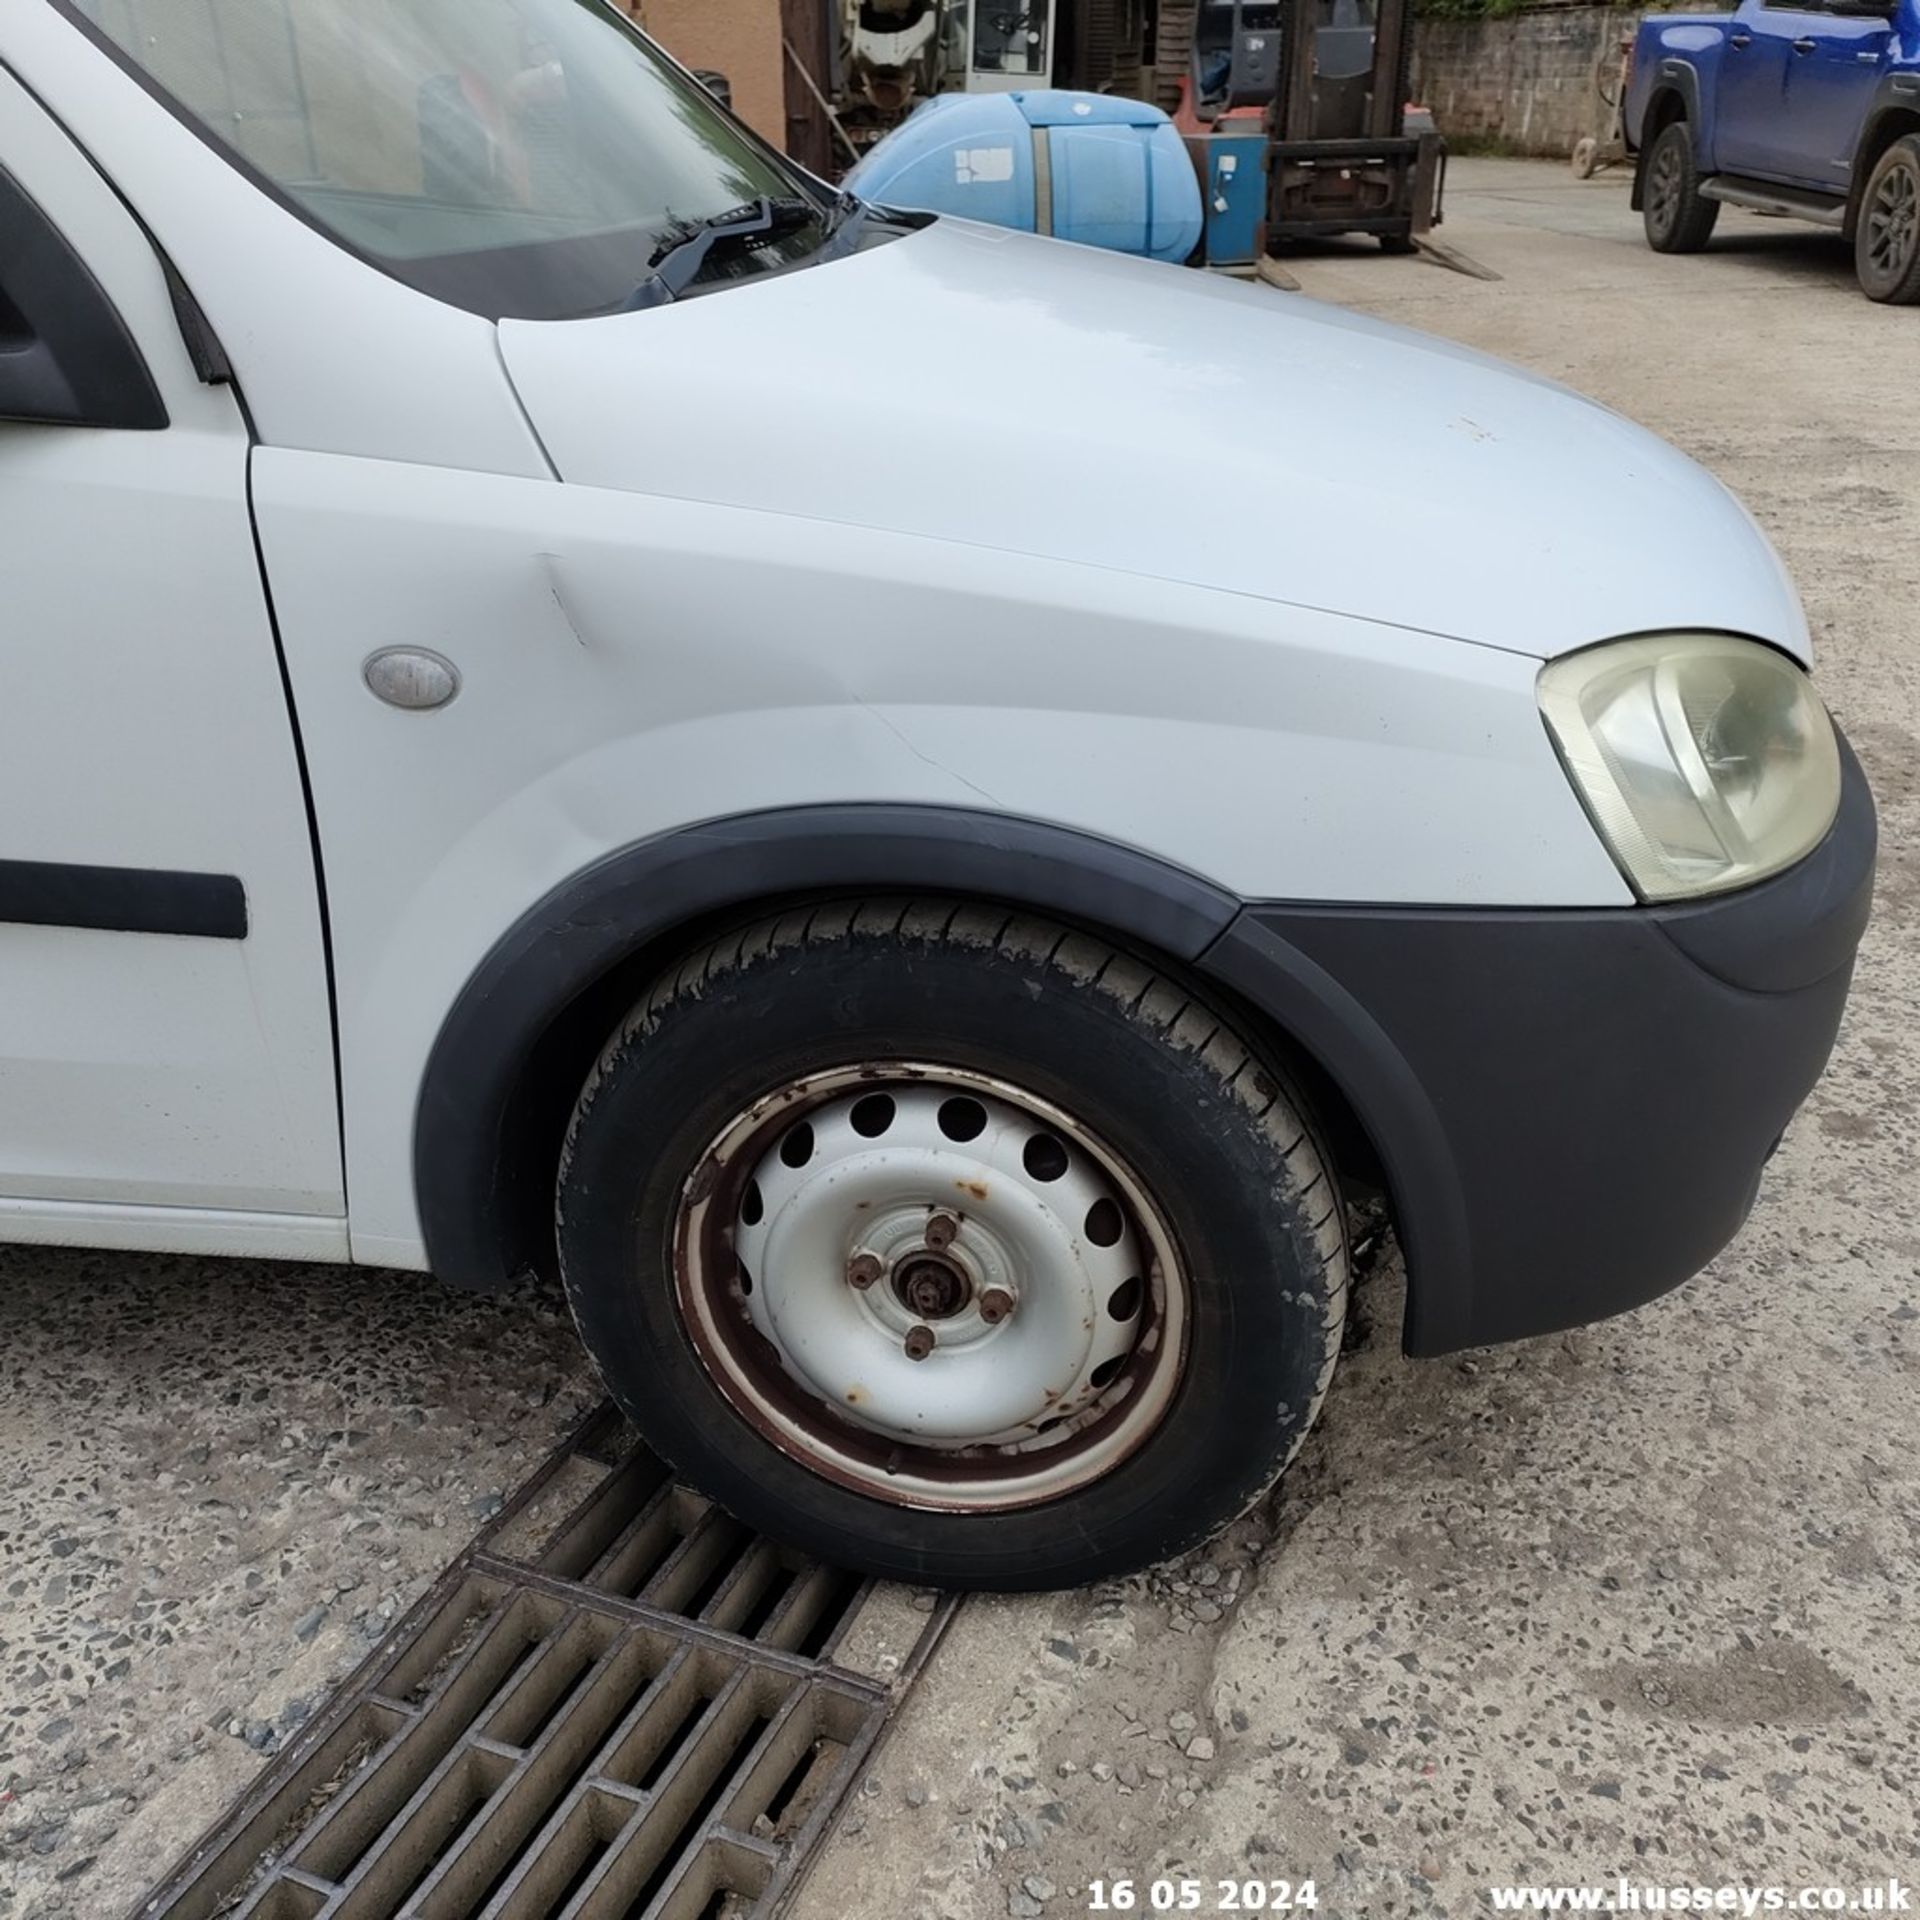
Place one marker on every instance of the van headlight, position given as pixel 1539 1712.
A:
pixel 1707 762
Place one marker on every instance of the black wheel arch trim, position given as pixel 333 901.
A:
pixel 1896 99
pixel 1277 975
pixel 647 893
pixel 1676 77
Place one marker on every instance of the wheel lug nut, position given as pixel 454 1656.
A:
pixel 919 1342
pixel 863 1270
pixel 940 1231
pixel 996 1304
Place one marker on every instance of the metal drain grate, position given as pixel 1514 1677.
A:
pixel 617 1704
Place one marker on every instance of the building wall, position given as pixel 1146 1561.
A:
pixel 1523 79
pixel 740 38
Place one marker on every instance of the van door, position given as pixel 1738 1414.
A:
pixel 1753 131
pixel 1829 91
pixel 166 1036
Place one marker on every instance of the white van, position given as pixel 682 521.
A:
pixel 917 809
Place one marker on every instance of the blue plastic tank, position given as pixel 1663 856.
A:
pixel 1091 167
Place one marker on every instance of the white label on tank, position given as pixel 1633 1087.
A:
pixel 982 166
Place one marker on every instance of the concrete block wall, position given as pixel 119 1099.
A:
pixel 1525 79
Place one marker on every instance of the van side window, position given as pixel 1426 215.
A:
pixel 66 357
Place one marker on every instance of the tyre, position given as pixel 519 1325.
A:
pixel 1586 157
pixel 1677 216
pixel 1886 240
pixel 1398 243
pixel 952 1245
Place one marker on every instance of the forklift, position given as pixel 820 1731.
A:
pixel 1295 114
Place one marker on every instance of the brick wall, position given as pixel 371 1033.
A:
pixel 740 38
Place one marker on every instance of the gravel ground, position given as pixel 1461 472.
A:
pixel 225 1480
pixel 1636 1601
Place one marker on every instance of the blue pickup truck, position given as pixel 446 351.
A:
pixel 1790 107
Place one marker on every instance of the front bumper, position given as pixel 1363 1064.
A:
pixel 1572 1108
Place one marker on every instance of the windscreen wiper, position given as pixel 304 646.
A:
pixel 686 246
pixel 848 215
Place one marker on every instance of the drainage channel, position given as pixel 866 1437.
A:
pixel 617 1704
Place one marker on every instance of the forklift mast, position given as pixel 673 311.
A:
pixel 1344 67
pixel 1340 158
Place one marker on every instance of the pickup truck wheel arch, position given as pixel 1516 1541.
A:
pixel 518 1043
pixel 1676 96
pixel 1895 111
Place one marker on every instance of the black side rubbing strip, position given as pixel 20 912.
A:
pixel 66 357
pixel 36 893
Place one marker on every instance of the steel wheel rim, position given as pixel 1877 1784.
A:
pixel 805 1278
pixel 1893 221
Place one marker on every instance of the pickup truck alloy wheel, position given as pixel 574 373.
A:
pixel 953 1244
pixel 1887 239
pixel 1678 217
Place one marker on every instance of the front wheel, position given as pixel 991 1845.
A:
pixel 1886 240
pixel 953 1245
pixel 1677 216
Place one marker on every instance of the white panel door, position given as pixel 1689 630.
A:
pixel 165 1027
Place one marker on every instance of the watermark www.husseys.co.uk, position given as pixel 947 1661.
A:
pixel 1639 1896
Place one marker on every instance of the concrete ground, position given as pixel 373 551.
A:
pixel 224 1480
pixel 1636 1601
